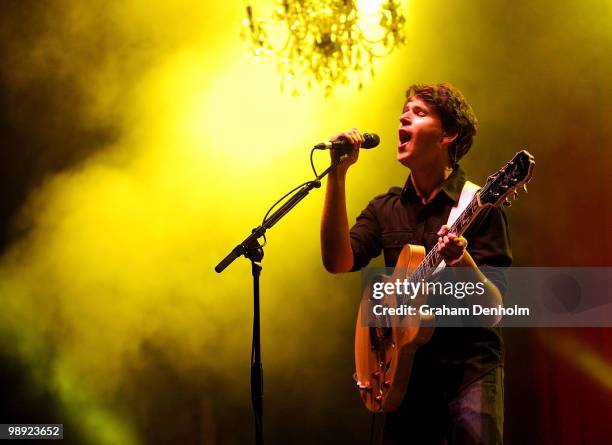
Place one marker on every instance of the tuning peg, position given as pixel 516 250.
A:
pixel 515 194
pixel 525 187
pixel 507 202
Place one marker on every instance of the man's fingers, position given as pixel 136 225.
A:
pixel 450 238
pixel 450 246
pixel 452 243
pixel 354 136
pixel 360 137
pixel 443 230
pixel 458 240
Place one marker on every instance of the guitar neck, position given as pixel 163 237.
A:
pixel 433 258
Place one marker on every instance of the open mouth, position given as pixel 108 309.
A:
pixel 404 136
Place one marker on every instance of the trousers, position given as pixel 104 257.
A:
pixel 432 414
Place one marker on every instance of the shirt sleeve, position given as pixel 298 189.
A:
pixel 489 244
pixel 366 237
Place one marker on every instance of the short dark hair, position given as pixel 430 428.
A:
pixel 456 114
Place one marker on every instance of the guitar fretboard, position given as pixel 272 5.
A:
pixel 433 258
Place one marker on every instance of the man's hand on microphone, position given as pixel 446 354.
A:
pixel 353 136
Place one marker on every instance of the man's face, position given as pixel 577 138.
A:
pixel 420 135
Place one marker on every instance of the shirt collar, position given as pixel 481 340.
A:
pixel 451 186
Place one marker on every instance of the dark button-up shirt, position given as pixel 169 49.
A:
pixel 399 217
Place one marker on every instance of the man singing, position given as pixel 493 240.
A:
pixel 455 393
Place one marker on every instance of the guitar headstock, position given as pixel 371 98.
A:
pixel 507 180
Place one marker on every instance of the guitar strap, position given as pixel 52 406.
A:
pixel 467 194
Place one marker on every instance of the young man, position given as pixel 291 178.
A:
pixel 455 394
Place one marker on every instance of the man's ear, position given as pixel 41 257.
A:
pixel 448 137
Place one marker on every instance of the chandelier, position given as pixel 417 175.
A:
pixel 325 41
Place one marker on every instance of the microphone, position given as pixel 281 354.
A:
pixel 371 140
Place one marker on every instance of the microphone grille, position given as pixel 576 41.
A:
pixel 371 140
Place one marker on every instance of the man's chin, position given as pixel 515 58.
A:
pixel 403 158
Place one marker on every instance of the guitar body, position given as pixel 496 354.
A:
pixel 383 356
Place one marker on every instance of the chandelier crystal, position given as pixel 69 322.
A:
pixel 323 40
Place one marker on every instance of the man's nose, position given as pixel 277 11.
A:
pixel 405 118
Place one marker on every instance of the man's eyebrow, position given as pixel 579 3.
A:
pixel 419 105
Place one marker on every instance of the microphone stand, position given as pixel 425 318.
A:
pixel 253 251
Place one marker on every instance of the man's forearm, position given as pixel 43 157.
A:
pixel 335 240
pixel 491 296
